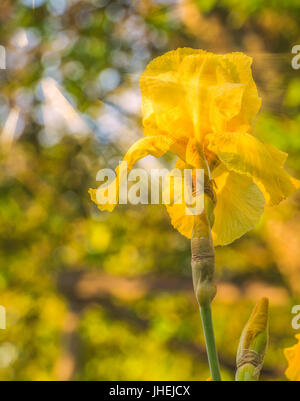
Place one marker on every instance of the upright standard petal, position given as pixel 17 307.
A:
pixel 151 145
pixel 236 67
pixel 190 92
pixel 212 101
pixel 245 154
pixel 292 355
pixel 163 95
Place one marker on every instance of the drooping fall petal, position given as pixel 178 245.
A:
pixel 245 154
pixel 180 220
pixel 292 355
pixel 239 207
pixel 151 145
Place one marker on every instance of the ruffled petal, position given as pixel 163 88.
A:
pixel 198 74
pixel 292 355
pixel 279 156
pixel 236 67
pixel 164 105
pixel 190 92
pixel 152 145
pixel 245 154
pixel 239 207
pixel 226 104
pixel 213 101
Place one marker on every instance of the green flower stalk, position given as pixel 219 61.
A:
pixel 203 266
pixel 253 343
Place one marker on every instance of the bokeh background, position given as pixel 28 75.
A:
pixel 97 296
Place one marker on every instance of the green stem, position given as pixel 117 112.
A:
pixel 205 312
pixel 203 266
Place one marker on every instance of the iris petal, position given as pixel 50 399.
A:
pixel 151 145
pixel 239 207
pixel 245 154
pixel 292 355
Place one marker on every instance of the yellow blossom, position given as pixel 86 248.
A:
pixel 292 355
pixel 199 103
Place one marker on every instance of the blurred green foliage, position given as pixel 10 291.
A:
pixel 111 327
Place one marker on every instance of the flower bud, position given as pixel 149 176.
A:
pixel 253 343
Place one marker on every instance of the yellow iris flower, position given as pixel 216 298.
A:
pixel 292 355
pixel 195 100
